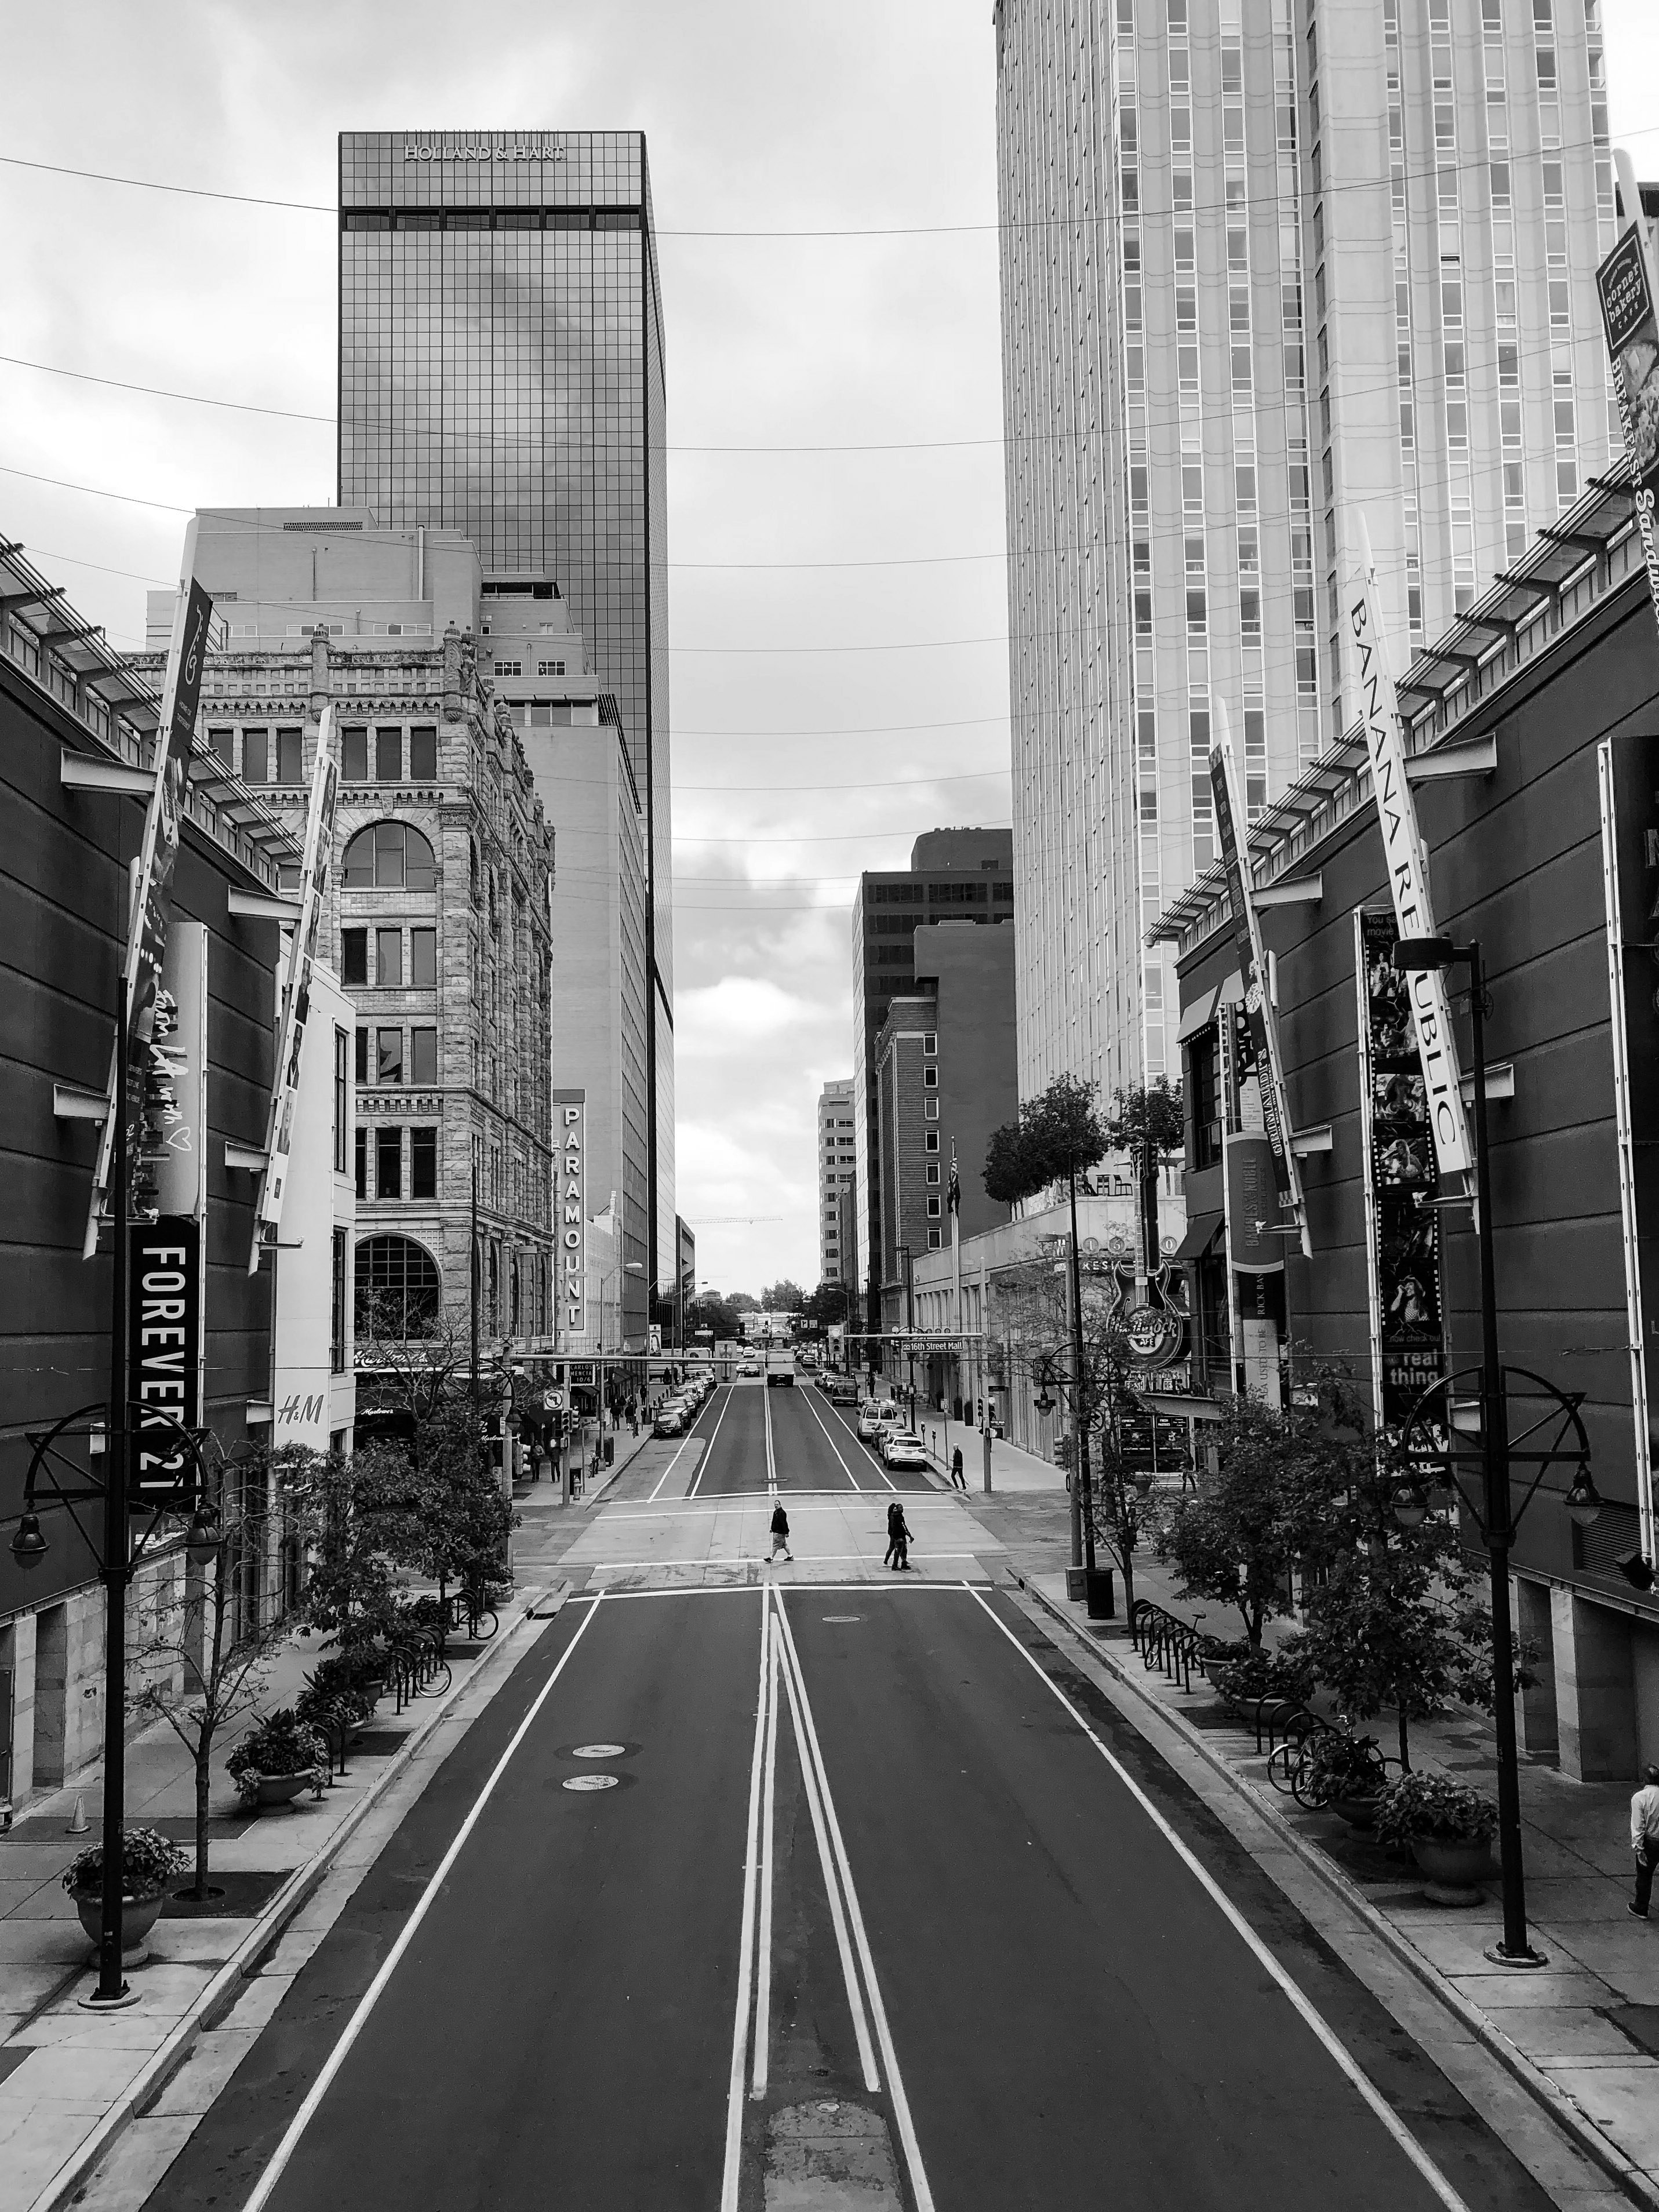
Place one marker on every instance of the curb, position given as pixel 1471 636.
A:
pixel 219 1997
pixel 1629 2178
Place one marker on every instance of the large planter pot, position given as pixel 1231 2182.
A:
pixel 138 1916
pixel 1454 1867
pixel 1360 1812
pixel 281 1789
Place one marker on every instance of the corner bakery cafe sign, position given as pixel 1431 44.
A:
pixel 484 149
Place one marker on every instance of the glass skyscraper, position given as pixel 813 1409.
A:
pixel 501 372
pixel 1267 265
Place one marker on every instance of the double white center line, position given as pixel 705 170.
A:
pixel 780 1663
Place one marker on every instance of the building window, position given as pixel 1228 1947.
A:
pixel 930 1109
pixel 389 958
pixel 223 745
pixel 935 1240
pixel 424 959
pixel 389 856
pixel 337 1305
pixel 389 1161
pixel 290 757
pixel 423 1055
pixel 360 1147
pixel 550 668
pixel 422 1162
pixel 256 756
pixel 353 755
pixel 341 1115
pixel 932 1171
pixel 362 1069
pixel 930 1078
pixel 398 1289
pixel 930 1140
pixel 1202 1090
pixel 388 756
pixel 423 755
pixel 354 958
pixel 389 1056
pixel 930 1042
pixel 933 1205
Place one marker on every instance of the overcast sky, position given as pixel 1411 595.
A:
pixel 840 680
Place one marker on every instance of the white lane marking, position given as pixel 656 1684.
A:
pixel 771 1460
pixel 922 2193
pixel 833 1445
pixel 1300 2003
pixel 761 2046
pixel 832 1886
pixel 747 1559
pixel 857 1439
pixel 746 1938
pixel 709 1453
pixel 371 1996
pixel 818 1589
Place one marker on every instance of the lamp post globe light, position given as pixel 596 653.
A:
pixel 1439 1435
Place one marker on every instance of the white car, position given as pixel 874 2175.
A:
pixel 870 1419
pixel 901 1449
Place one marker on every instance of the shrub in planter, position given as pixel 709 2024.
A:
pixel 1343 1768
pixel 148 1863
pixel 334 1695
pixel 282 1746
pixel 1433 1809
pixel 1264 1675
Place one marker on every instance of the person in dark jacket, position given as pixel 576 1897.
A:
pixel 898 1540
pixel 958 1480
pixel 780 1532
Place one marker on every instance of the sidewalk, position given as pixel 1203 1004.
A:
pixel 65 2071
pixel 1585 2029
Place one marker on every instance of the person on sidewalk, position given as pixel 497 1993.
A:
pixel 780 1532
pixel 1644 1840
pixel 958 1480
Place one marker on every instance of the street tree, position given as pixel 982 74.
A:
pixel 1147 1121
pixel 827 1306
pixel 202 1653
pixel 783 1297
pixel 1059 1137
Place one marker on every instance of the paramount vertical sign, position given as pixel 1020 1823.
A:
pixel 570 1212
pixel 1407 861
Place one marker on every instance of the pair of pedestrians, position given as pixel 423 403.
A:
pixel 898 1541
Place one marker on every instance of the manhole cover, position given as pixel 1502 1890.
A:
pixel 592 1782
pixel 841 1620
pixel 599 1751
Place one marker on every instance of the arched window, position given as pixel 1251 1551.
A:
pixel 399 1290
pixel 389 856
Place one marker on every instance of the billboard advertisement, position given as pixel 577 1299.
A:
pixel 1628 284
pixel 1407 858
pixel 1402 1231
pixel 295 1003
pixel 164 1309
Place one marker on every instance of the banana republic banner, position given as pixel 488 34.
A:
pixel 1402 1255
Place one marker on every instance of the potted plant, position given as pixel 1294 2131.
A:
pixel 276 1759
pixel 1346 1774
pixel 1218 1653
pixel 1245 1682
pixel 1449 1828
pixel 148 1863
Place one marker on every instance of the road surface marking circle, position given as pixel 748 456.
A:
pixel 590 1782
pixel 599 1751
pixel 840 1619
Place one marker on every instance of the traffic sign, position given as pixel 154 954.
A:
pixel 553 1401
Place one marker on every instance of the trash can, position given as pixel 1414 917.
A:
pixel 1097 1589
pixel 610 1457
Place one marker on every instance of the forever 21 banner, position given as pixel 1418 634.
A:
pixel 164 1307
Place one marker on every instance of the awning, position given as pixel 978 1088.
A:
pixel 1197 1016
pixel 1202 1232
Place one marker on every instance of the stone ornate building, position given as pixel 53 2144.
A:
pixel 437 916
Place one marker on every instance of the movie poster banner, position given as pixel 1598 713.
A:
pixel 1627 283
pixel 1402 1257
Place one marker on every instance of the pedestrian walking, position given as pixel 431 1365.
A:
pixel 1644 1840
pixel 898 1541
pixel 780 1532
pixel 958 1480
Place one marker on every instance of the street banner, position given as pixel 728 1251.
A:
pixel 295 1002
pixel 151 909
pixel 1402 1231
pixel 175 1078
pixel 1259 1012
pixel 1406 856
pixel 1628 284
pixel 570 1173
pixel 1255 1245
pixel 1627 770
pixel 164 1307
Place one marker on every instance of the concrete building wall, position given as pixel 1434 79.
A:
pixel 972 974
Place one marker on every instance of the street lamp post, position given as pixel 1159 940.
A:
pixel 1496 1520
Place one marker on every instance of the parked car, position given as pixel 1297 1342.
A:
pixel 672 1420
pixel 870 1419
pixel 903 1449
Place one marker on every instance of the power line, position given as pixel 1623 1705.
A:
pixel 1261 200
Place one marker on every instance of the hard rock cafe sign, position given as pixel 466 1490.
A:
pixel 1146 1325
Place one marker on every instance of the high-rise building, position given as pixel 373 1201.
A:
pixel 954 875
pixel 837 1157
pixel 501 375
pixel 1265 268
pixel 944 1080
